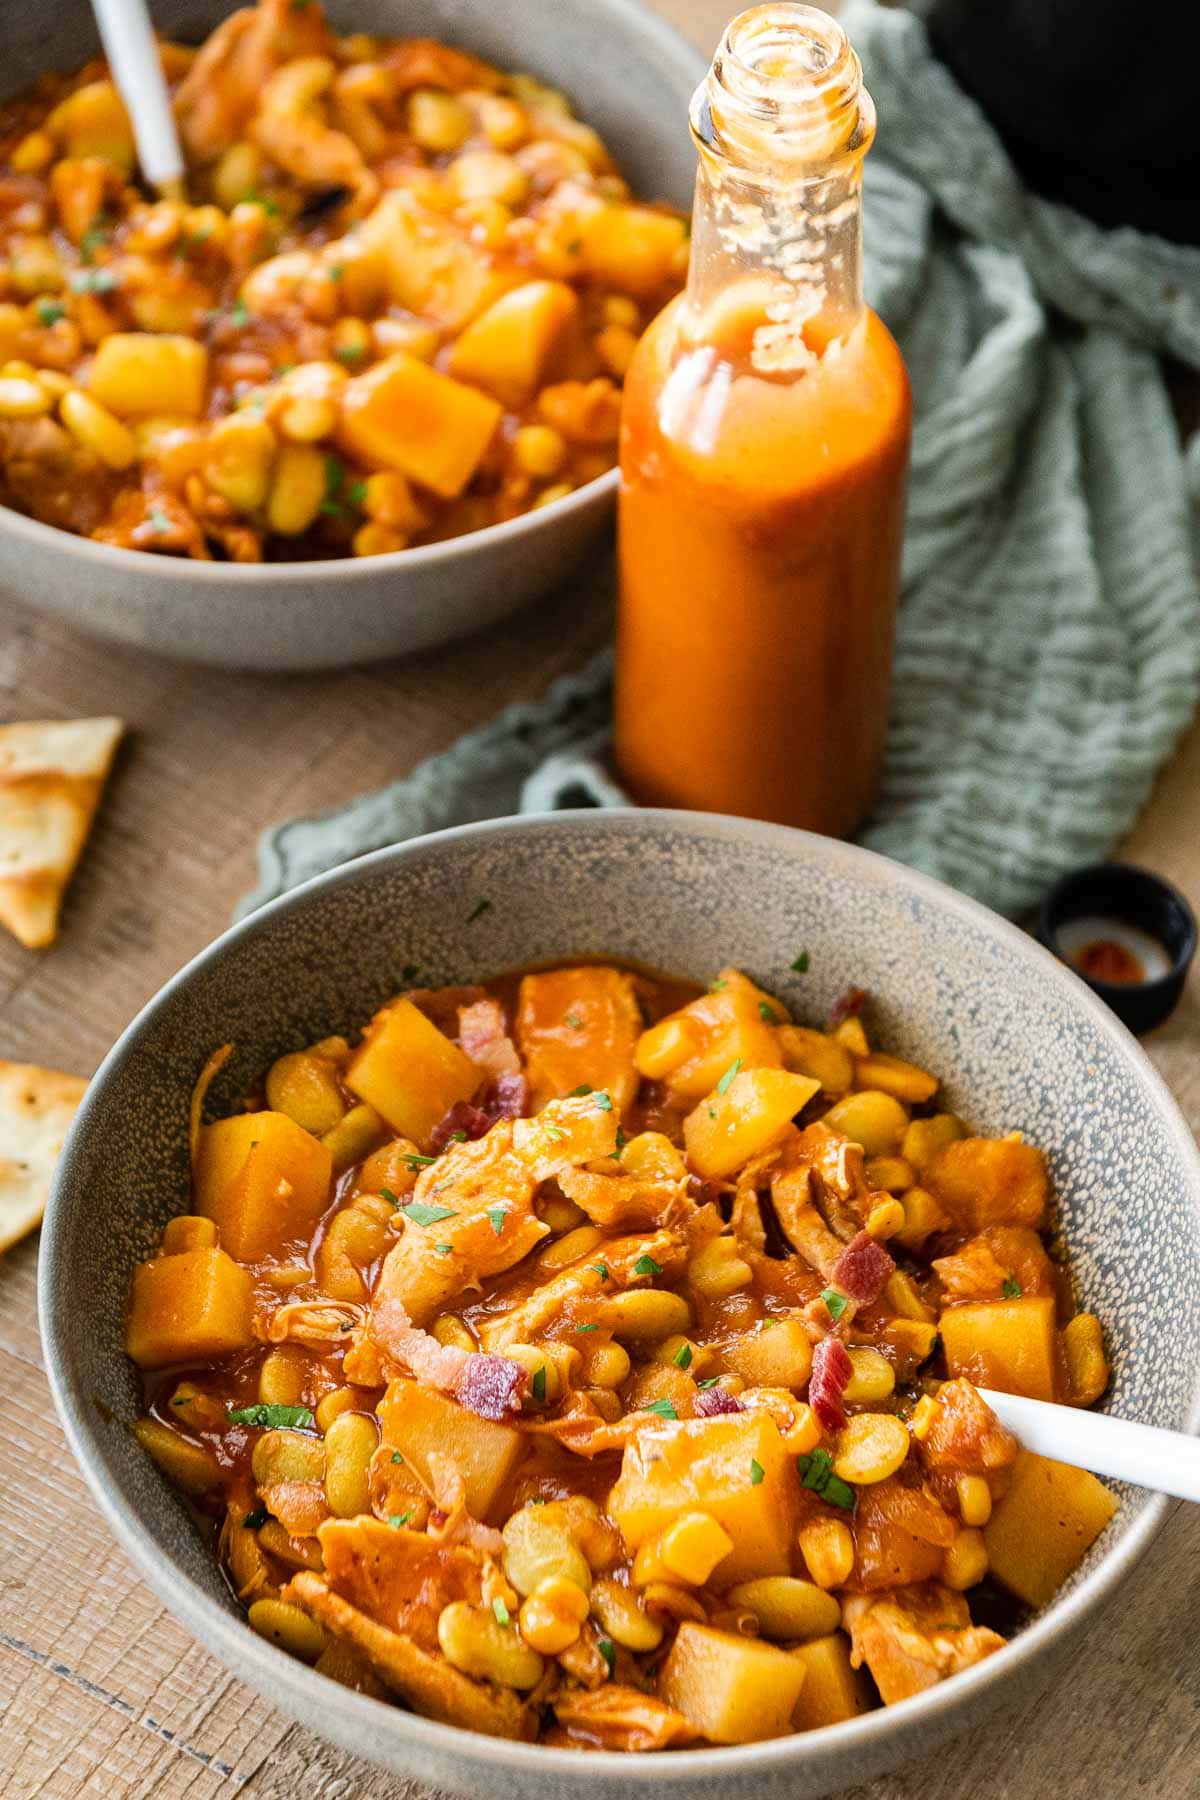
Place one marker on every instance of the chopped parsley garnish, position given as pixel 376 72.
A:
pixel 415 1161
pixel 159 521
pixel 96 234
pixel 712 1112
pixel 816 1474
pixel 604 1102
pixel 756 1472
pixel 600 1269
pixel 335 271
pixel 579 1092
pixel 587 1328
pixel 396 1457
pixel 646 1265
pixel 417 1213
pixel 800 963
pixel 92 281
pixel 1012 1289
pixel 356 493
pixel 835 1302
pixel 239 314
pixel 501 1612
pixel 537 1500
pixel 350 353
pixel 252 197
pixel 605 1647
pixel 273 1418
pixel 718 985
pixel 396 1520
pixel 711 1382
pixel 574 1021
pixel 554 1134
pixel 622 1140
pixel 496 1217
pixel 457 1137
pixel 390 1197
pixel 478 910
pixel 683 1357
pixel 727 1077
pixel 537 1386
pixel 443 1249
pixel 768 1016
pixel 664 1408
pixel 254 1521
pixel 49 312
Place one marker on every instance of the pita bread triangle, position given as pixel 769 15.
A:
pixel 52 772
pixel 36 1109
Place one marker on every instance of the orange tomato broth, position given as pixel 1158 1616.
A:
pixel 759 684
pixel 563 1022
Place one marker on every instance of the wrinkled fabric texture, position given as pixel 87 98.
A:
pixel 1048 650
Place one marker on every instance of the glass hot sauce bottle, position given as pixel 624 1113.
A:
pixel 763 455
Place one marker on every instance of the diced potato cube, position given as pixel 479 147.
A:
pixel 691 1049
pixel 432 270
pixel 775 1354
pixel 832 1690
pixel 734 1690
pixel 705 1465
pixel 410 1072
pixel 404 415
pixel 418 1422
pixel 263 1179
pixel 579 1026
pixel 508 349
pixel 150 374
pixel 991 1181
pixel 892 1075
pixel 1046 1523
pixel 871 1118
pixel 633 248
pixel 728 1128
pixel 815 1053
pixel 92 121
pixel 1004 1344
pixel 188 1307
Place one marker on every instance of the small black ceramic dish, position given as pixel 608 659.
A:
pixel 1129 934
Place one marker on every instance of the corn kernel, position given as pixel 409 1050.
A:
pixel 903 1297
pixel 566 1250
pixel 502 121
pixel 289 1627
pixel 549 495
pixel 33 152
pixel 872 1379
pixel 238 464
pixel 389 501
pixel 332 1406
pixel 551 1617
pixel 451 1331
pixel 619 309
pixel 1083 1353
pixel 539 450
pixel 804 1433
pixel 624 1618
pixel 437 121
pixel 545 1383
pixel 608 1366
pixel 974 1500
pixel 414 336
pixel 55 382
pixel 297 489
pixel 872 1447
pixel 22 397
pixel 351 340
pixel 647 1315
pixel 966 1561
pixel 924 1413
pixel 827 1546
pixel 373 539
pixel 692 1547
pixel 889 1173
pixel 236 174
pixel 716 1270
pixel 280 1379
pixel 615 346
pixel 885 1220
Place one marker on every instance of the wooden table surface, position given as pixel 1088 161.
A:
pixel 101 1692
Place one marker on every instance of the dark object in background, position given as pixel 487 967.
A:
pixel 1121 904
pixel 1098 101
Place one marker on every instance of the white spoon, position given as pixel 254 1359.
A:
pixel 1146 1455
pixel 132 54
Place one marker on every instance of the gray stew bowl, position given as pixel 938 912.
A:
pixel 628 74
pixel 1020 1041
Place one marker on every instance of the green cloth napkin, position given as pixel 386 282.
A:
pixel 1048 653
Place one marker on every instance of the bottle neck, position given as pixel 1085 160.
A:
pixel 782 123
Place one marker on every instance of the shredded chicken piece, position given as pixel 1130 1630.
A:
pixel 621 1718
pixel 490 1385
pixel 801 1223
pixel 402 1578
pixel 216 98
pixel 914 1637
pixel 424 62
pixel 313 1322
pixel 453 1523
pixel 964 1438
pixel 608 1270
pixel 567 1134
pixel 300 1506
pixel 430 1685
pixel 625 1202
pixel 486 1193
pixel 996 1259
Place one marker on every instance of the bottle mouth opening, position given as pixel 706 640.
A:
pixel 786 85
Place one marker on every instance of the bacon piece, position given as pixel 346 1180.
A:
pixel 713 1401
pixel 488 1385
pixel 463 1121
pixel 507 1097
pixel 831 1370
pixel 847 1006
pixel 483 1038
pixel 862 1269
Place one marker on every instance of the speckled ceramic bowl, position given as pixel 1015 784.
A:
pixel 630 76
pixel 1020 1040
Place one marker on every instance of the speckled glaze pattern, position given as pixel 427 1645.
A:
pixel 1022 1044
pixel 322 615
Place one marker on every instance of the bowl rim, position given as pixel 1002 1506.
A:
pixel 640 24
pixel 273 1672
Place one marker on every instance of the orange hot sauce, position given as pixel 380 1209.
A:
pixel 764 447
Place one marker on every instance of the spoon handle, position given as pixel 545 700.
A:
pixel 132 53
pixel 1146 1455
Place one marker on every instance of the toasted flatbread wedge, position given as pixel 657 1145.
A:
pixel 36 1108
pixel 51 775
